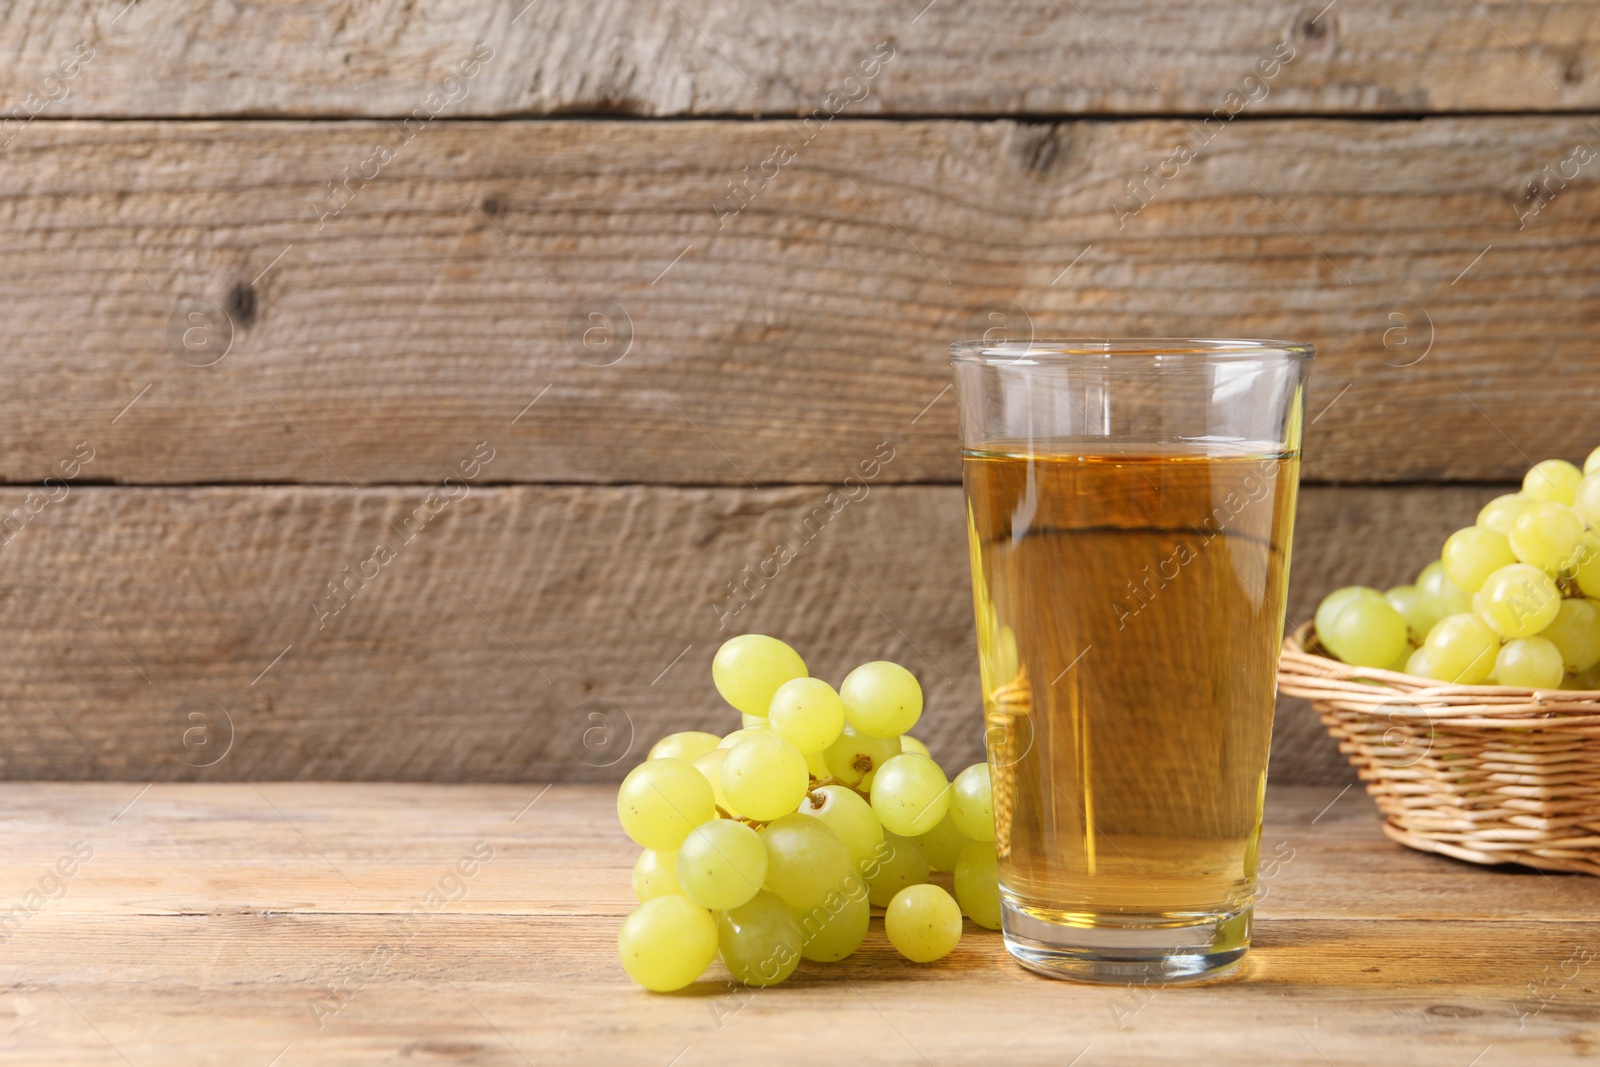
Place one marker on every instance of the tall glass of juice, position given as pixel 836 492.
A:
pixel 1130 506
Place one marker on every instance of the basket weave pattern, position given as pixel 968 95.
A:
pixel 1485 773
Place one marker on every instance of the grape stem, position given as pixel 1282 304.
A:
pixel 811 795
pixel 726 814
pixel 818 783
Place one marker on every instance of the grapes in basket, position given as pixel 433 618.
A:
pixel 1512 600
pixel 772 844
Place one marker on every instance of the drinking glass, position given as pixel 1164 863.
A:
pixel 1130 505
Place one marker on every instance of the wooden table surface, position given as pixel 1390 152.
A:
pixel 285 924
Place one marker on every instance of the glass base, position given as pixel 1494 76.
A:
pixel 1139 951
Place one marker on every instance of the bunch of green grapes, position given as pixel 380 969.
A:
pixel 1512 600
pixel 772 844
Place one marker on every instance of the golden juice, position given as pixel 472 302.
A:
pixel 1128 627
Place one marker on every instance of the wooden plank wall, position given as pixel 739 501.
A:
pixel 650 281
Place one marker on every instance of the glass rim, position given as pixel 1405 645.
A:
pixel 1051 349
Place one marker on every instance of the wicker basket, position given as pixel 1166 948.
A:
pixel 1485 773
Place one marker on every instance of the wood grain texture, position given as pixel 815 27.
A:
pixel 223 923
pixel 151 625
pixel 259 845
pixel 696 57
pixel 458 287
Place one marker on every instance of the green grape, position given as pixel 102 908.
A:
pixel 1417 664
pixel 1498 514
pixel 1519 600
pixel 817 764
pixel 1586 500
pixel 835 928
pixel 661 800
pixel 972 803
pixel 1554 480
pixel 1592 464
pixel 1529 663
pixel 1547 536
pixel 1335 602
pixel 807 713
pixel 923 923
pixel 897 863
pixel 764 777
pixel 997 657
pixel 1584 681
pixel 722 864
pixel 1472 554
pixel 1440 597
pixel 749 668
pixel 759 940
pixel 1576 633
pixel 805 861
pixel 850 818
pixel 753 722
pixel 943 844
pixel 729 740
pixel 710 765
pixel 978 884
pixel 1461 649
pixel 881 699
pixel 1588 567
pixel 655 874
pixel 910 794
pixel 689 745
pixel 1366 632
pixel 1408 601
pixel 667 943
pixel 1400 661
pixel 854 755
pixel 911 744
